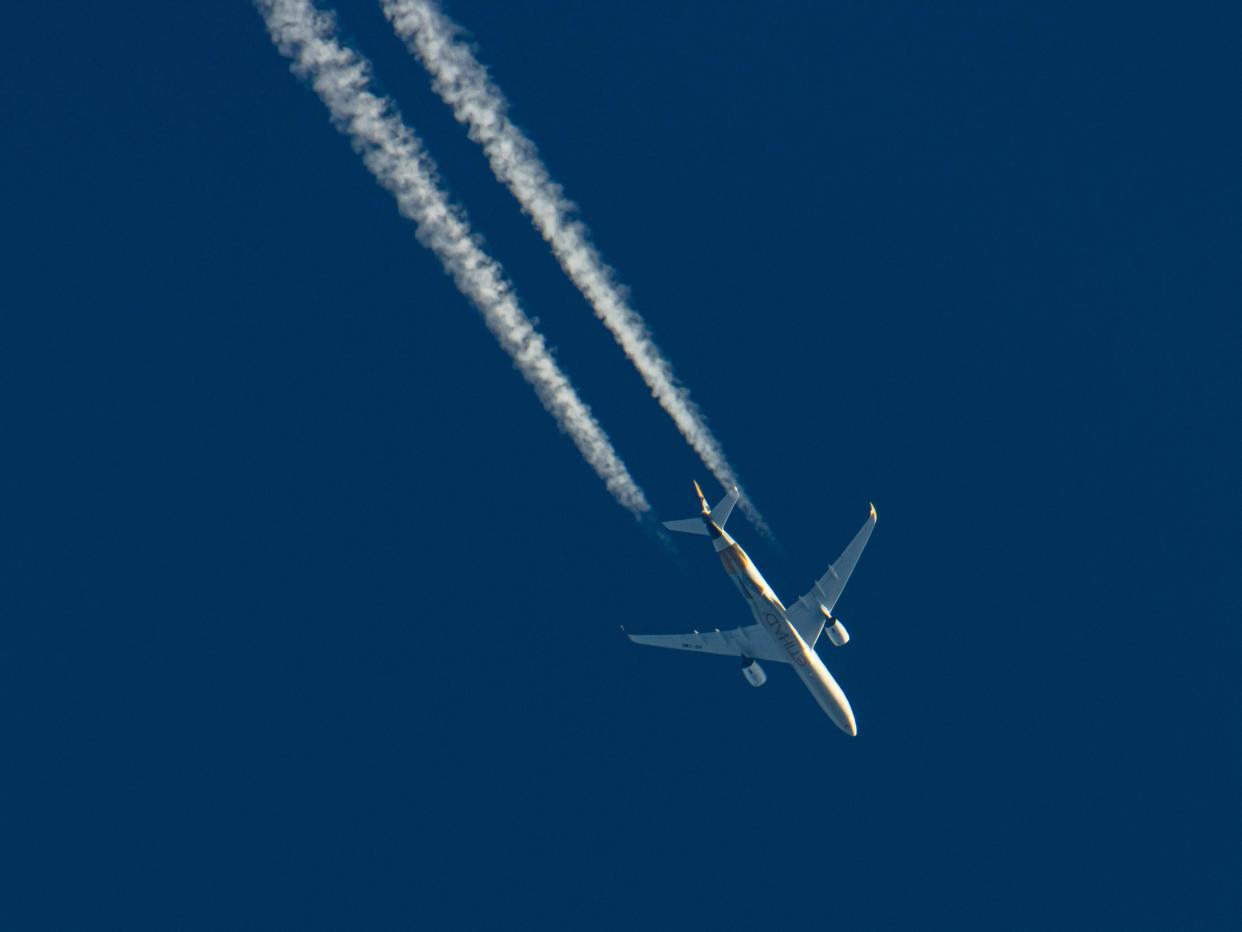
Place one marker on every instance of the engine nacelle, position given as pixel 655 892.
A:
pixel 837 634
pixel 753 672
pixel 834 629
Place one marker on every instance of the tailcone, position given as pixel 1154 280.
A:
pixel 704 509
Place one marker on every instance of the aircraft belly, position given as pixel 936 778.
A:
pixel 782 633
pixel 771 616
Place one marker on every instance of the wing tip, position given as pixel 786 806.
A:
pixel 872 511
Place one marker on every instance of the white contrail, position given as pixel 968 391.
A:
pixel 395 156
pixel 465 86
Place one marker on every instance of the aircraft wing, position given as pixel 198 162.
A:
pixel 751 641
pixel 805 614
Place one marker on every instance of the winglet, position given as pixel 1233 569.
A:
pixel 873 511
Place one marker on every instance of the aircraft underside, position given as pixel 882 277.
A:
pixel 780 634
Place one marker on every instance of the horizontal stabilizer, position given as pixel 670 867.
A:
pixel 720 514
pixel 688 526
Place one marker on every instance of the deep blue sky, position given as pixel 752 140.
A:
pixel 310 616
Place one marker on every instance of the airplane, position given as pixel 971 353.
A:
pixel 779 634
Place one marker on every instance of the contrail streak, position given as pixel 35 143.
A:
pixel 464 85
pixel 395 156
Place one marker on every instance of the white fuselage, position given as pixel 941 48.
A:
pixel 770 613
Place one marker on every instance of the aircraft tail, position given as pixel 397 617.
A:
pixel 718 515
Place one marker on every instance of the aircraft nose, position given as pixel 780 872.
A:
pixel 844 719
pixel 832 700
pixel 843 716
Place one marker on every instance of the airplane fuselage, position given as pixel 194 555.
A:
pixel 770 614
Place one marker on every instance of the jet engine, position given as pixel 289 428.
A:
pixel 837 633
pixel 834 629
pixel 753 672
